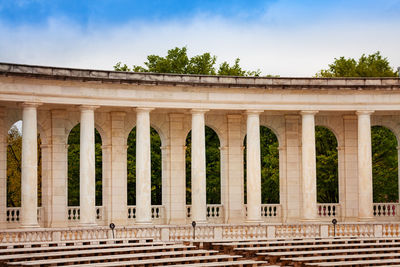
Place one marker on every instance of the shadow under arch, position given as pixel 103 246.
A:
pixel 213 167
pixel 326 165
pixel 14 156
pixel 269 148
pixel 384 164
pixel 156 167
pixel 73 166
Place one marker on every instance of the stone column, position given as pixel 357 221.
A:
pixel 253 160
pixel 309 171
pixel 29 166
pixel 233 187
pixel 365 204
pixel 87 167
pixel 174 174
pixel 143 166
pixel 199 201
pixel 117 183
pixel 3 168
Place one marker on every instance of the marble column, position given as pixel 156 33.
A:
pixel 309 171
pixel 253 161
pixel 3 168
pixel 199 200
pixel 29 159
pixel 143 166
pixel 365 202
pixel 87 167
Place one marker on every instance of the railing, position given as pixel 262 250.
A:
pixel 13 214
pixel 214 213
pixel 74 213
pixel 269 212
pixel 157 213
pixel 386 210
pixel 328 210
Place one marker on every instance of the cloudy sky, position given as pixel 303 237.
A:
pixel 281 37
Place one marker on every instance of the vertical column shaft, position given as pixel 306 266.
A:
pixel 199 200
pixel 309 171
pixel 29 166
pixel 253 161
pixel 87 167
pixel 143 166
pixel 365 205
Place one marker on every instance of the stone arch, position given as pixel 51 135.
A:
pixel 213 166
pixel 270 173
pixel 384 142
pixel 327 162
pixel 73 154
pixel 156 169
pixel 13 165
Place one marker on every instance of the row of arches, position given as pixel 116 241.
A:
pixel 384 156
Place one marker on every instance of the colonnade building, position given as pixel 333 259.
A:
pixel 51 101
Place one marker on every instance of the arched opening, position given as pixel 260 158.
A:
pixel 384 165
pixel 73 167
pixel 269 149
pixel 14 153
pixel 327 165
pixel 213 167
pixel 156 160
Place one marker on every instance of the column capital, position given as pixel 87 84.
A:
pixel 254 111
pixel 308 112
pixel 30 104
pixel 364 112
pixel 87 107
pixel 143 109
pixel 198 111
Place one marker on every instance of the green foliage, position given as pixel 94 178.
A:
pixel 327 165
pixel 73 166
pixel 373 65
pixel 177 61
pixel 269 148
pixel 155 143
pixel 213 167
pixel 14 152
pixel 384 165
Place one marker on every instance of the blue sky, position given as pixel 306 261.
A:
pixel 285 37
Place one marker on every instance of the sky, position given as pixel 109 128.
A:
pixel 278 37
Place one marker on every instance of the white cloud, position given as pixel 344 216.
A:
pixel 286 51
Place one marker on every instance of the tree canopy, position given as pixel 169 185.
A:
pixel 374 65
pixel 177 61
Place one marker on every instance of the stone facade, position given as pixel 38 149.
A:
pixel 54 100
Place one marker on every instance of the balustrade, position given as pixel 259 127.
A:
pixel 386 209
pixel 157 213
pixel 269 212
pixel 13 214
pixel 328 210
pixel 214 213
pixel 74 213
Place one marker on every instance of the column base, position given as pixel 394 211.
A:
pixel 88 224
pixel 144 222
pixel 253 221
pixel 25 226
pixel 366 219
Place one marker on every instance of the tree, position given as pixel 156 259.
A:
pixel 177 61
pixel 373 65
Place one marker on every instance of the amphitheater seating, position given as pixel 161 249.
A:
pixel 121 253
pixel 273 253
